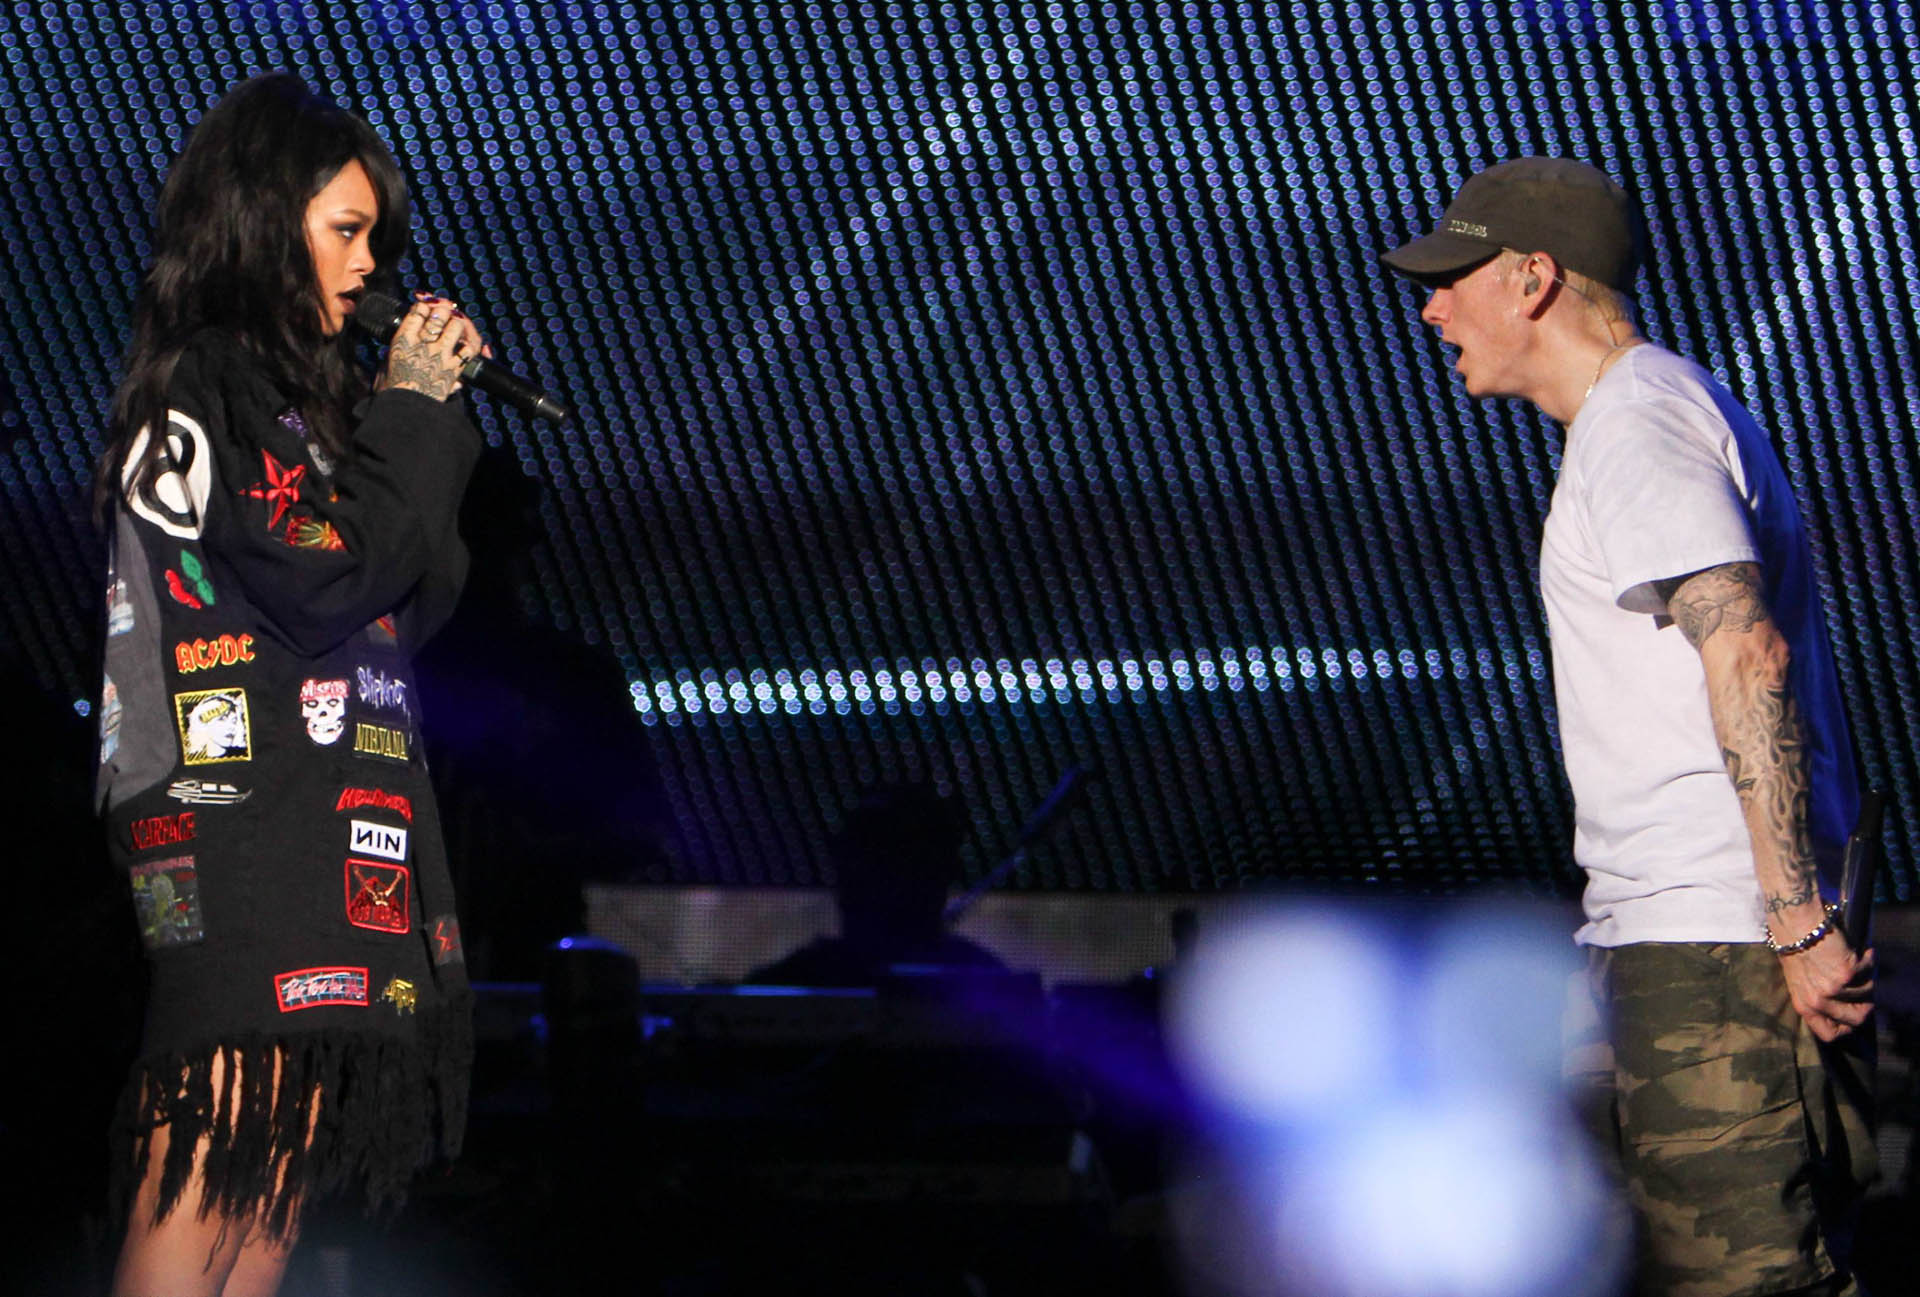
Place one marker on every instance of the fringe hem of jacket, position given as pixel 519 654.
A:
pixel 386 1107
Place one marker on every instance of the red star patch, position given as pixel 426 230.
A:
pixel 281 489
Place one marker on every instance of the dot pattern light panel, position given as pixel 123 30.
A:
pixel 971 392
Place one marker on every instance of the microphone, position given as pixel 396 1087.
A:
pixel 380 316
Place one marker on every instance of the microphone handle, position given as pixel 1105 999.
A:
pixel 498 381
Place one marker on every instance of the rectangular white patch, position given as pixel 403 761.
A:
pixel 371 839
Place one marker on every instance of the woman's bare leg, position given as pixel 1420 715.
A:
pixel 181 1256
pixel 191 1255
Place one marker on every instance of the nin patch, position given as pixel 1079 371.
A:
pixel 377 896
pixel 445 940
pixel 352 799
pixel 312 988
pixel 213 726
pixel 166 898
pixel 366 838
pixel 379 741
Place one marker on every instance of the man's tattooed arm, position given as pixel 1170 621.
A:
pixel 1723 613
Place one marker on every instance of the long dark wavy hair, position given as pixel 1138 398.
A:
pixel 230 253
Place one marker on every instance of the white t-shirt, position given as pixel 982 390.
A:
pixel 1665 475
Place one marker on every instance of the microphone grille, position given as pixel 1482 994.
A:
pixel 378 314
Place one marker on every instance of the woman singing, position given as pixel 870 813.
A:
pixel 282 540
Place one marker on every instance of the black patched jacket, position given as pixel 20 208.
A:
pixel 260 766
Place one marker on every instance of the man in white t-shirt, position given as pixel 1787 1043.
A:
pixel 1701 726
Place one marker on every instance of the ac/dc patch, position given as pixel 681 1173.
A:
pixel 370 839
pixel 162 831
pixel 352 799
pixel 213 726
pixel 377 896
pixel 280 489
pixel 445 940
pixel 312 988
pixel 166 897
pixel 323 707
pixel 201 792
pixel 194 655
pixel 379 741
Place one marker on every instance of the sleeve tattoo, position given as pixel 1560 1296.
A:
pixel 1755 718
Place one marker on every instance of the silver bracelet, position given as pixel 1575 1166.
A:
pixel 1795 947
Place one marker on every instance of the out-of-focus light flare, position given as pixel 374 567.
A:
pixel 1286 1015
pixel 1389 1093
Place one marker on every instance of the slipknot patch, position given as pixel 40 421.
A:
pixel 352 799
pixel 190 656
pixel 379 741
pixel 377 896
pixel 378 689
pixel 166 898
pixel 312 988
pixel 162 831
pixel 445 940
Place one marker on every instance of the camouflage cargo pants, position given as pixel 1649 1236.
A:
pixel 1738 1136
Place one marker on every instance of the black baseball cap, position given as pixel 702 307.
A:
pixel 1555 205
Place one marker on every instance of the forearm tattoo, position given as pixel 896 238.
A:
pixel 1761 736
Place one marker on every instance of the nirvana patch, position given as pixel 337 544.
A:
pixel 400 993
pixel 352 799
pixel 162 831
pixel 379 741
pixel 213 726
pixel 377 896
pixel 446 940
pixel 323 707
pixel 194 655
pixel 200 792
pixel 166 897
pixel 313 988
pixel 366 838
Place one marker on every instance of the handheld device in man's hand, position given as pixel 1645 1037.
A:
pixel 1857 870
